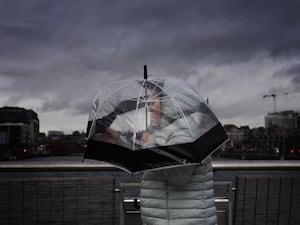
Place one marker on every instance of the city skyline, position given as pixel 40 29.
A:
pixel 282 123
pixel 55 56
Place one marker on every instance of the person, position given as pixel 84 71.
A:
pixel 180 195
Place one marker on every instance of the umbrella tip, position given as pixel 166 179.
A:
pixel 145 72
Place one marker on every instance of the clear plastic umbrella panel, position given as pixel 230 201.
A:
pixel 146 124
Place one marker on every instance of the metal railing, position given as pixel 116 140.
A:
pixel 129 204
pixel 90 194
pixel 267 200
pixel 58 201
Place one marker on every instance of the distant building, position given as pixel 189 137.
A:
pixel 238 136
pixel 18 126
pixel 55 135
pixel 285 119
pixel 280 141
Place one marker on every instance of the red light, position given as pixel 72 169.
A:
pixel 292 151
pixel 299 151
pixel 85 145
pixel 24 150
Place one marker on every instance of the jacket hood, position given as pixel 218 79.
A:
pixel 180 100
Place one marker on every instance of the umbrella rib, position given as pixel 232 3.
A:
pixel 138 102
pixel 123 86
pixel 189 89
pixel 174 101
pixel 109 96
pixel 112 91
pixel 153 90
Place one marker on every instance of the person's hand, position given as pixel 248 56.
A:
pixel 146 136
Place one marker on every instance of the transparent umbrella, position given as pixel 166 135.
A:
pixel 151 123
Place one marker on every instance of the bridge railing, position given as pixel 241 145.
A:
pixel 93 194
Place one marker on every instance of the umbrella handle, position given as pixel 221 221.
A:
pixel 145 72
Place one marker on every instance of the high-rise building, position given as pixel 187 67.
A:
pixel 18 126
pixel 284 119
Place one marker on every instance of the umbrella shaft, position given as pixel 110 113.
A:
pixel 146 105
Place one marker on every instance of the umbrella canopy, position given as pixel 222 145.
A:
pixel 145 124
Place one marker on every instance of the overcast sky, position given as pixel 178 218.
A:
pixel 55 55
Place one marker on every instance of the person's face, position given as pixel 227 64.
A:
pixel 155 108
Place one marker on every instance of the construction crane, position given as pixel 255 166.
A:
pixel 274 99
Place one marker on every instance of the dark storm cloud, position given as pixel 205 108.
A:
pixel 64 51
pixel 234 30
pixel 231 30
pixel 292 73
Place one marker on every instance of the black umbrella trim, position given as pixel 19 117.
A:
pixel 145 159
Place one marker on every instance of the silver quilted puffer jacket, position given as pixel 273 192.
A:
pixel 179 196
